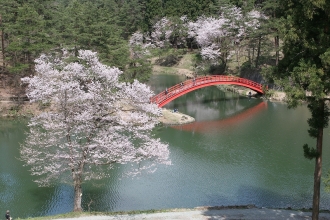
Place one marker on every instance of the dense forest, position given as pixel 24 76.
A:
pixel 31 27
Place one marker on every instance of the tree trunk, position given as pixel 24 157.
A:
pixel 258 53
pixel 252 59
pixel 236 47
pixel 2 43
pixel 77 193
pixel 2 48
pixel 237 58
pixel 134 72
pixel 277 53
pixel 224 61
pixel 318 170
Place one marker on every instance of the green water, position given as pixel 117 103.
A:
pixel 239 151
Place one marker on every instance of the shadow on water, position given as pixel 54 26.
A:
pixel 253 197
pixel 252 213
pixel 103 194
pixel 259 197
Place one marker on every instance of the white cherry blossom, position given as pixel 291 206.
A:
pixel 94 122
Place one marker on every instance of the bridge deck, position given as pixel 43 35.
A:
pixel 192 84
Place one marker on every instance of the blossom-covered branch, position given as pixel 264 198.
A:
pixel 94 119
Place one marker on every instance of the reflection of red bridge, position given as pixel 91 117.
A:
pixel 192 84
pixel 206 126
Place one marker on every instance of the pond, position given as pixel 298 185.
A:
pixel 239 151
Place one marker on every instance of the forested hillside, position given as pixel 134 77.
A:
pixel 237 36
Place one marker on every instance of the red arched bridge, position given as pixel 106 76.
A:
pixel 192 84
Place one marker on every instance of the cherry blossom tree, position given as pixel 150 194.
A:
pixel 161 32
pixel 93 122
pixel 169 32
pixel 139 66
pixel 217 36
pixel 209 33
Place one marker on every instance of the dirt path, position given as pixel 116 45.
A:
pixel 221 214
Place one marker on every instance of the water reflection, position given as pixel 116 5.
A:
pixel 17 191
pixel 209 126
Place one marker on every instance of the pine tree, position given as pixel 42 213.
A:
pixel 304 71
pixel 25 33
pixel 130 17
pixel 152 13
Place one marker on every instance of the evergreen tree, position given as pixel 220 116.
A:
pixel 8 13
pixel 93 25
pixel 190 8
pixel 305 71
pixel 153 12
pixel 25 33
pixel 273 11
pixel 246 5
pixel 130 17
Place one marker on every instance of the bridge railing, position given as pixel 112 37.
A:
pixel 188 84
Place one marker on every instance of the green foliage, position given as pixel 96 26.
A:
pixel 304 70
pixel 246 5
pixel 169 60
pixel 310 153
pixel 325 60
pixel 139 69
pixel 25 35
pixel 17 68
pixel 35 26
pixel 246 65
pixel 217 69
pixel 130 17
pixel 305 66
pixel 190 8
pixel 152 13
pixel 320 117
pixel 116 53
pixel 268 92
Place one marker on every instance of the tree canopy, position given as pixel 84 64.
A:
pixel 95 121
pixel 29 28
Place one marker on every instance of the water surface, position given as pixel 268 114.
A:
pixel 239 151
